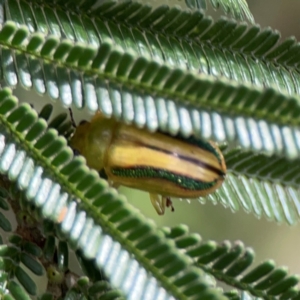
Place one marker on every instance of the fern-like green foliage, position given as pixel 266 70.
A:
pixel 170 69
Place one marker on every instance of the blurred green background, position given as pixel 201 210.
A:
pixel 269 240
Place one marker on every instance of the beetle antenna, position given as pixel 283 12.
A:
pixel 72 118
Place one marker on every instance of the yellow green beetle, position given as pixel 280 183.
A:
pixel 160 164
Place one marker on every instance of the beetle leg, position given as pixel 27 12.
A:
pixel 159 203
pixel 113 184
pixel 169 203
pixel 76 152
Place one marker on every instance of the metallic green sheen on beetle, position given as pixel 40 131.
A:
pixel 160 164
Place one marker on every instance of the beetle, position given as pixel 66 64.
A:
pixel 158 163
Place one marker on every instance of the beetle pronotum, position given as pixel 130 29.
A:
pixel 158 163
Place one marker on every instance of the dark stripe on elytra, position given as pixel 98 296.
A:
pixel 189 159
pixel 196 142
pixel 182 181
